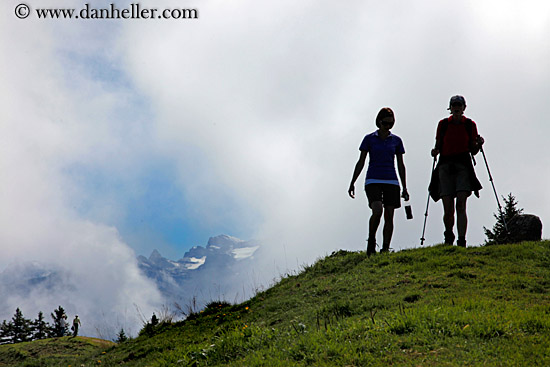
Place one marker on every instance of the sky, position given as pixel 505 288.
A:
pixel 123 136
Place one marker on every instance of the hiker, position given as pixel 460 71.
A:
pixel 454 178
pixel 63 325
pixel 381 183
pixel 76 325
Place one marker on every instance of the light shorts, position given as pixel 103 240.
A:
pixel 454 177
pixel 388 194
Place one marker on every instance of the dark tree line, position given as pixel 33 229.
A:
pixel 20 329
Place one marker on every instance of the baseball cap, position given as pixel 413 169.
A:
pixel 457 99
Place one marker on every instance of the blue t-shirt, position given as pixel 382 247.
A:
pixel 382 157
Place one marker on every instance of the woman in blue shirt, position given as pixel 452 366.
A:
pixel 381 184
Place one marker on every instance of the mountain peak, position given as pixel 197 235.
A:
pixel 155 255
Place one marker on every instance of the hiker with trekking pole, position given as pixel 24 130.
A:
pixel 453 178
pixel 381 183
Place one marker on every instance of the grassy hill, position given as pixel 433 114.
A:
pixel 436 306
pixel 52 352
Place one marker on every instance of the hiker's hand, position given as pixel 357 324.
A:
pixel 405 195
pixel 480 141
pixel 351 191
pixel 435 152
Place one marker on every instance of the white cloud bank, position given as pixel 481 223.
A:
pixel 54 117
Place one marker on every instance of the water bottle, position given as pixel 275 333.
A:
pixel 408 208
pixel 408 211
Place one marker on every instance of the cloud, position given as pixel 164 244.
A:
pixel 90 273
pixel 57 116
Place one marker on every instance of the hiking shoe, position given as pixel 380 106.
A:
pixel 461 242
pixel 449 237
pixel 371 246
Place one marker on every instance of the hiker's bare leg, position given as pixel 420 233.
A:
pixel 461 217
pixel 448 212
pixel 376 216
pixel 387 232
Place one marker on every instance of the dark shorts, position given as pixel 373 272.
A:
pixel 386 193
pixel 453 178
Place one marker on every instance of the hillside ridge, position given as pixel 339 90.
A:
pixel 438 305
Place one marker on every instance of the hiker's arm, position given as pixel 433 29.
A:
pixel 356 172
pixel 436 150
pixel 437 147
pixel 402 175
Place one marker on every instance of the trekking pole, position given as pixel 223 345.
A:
pixel 422 239
pixel 494 189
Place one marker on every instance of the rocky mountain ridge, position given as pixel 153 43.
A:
pixel 218 270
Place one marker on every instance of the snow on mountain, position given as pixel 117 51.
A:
pixel 224 268
pixel 194 263
pixel 243 253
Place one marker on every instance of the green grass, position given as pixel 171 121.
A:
pixel 436 306
pixel 52 352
